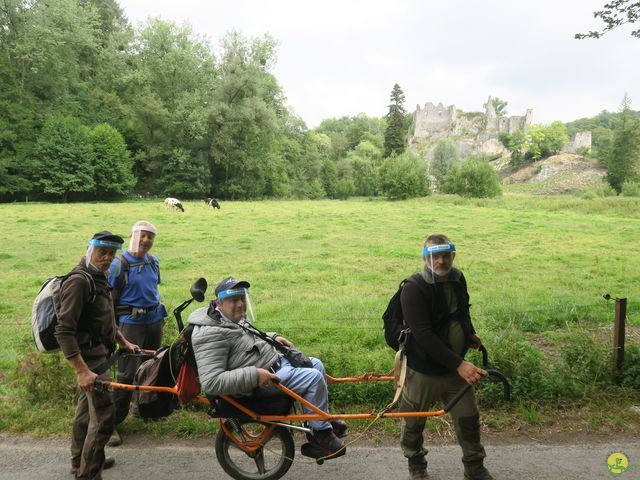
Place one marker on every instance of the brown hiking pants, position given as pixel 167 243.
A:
pixel 420 394
pixel 93 424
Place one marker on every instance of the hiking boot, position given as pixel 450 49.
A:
pixel 115 439
pixel 418 474
pixel 476 471
pixel 340 428
pixel 326 440
pixel 108 463
pixel 418 468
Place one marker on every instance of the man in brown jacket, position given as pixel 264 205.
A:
pixel 87 334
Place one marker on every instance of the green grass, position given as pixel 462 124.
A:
pixel 323 271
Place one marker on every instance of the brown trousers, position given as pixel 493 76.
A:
pixel 93 424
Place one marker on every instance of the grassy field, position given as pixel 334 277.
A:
pixel 322 273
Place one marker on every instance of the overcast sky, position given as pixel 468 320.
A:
pixel 342 57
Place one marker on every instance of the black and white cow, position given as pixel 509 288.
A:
pixel 212 202
pixel 173 203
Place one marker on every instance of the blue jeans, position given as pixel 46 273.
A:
pixel 310 384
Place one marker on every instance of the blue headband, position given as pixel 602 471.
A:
pixel 104 243
pixel 445 247
pixel 234 292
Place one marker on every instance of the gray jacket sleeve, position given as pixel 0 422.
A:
pixel 212 347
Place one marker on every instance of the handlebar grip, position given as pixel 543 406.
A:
pixel 506 388
pixel 485 356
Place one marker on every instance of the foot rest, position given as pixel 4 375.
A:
pixel 309 450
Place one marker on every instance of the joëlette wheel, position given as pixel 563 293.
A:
pixel 270 462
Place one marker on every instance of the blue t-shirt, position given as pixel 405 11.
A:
pixel 141 289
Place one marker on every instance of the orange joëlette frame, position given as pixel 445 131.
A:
pixel 318 415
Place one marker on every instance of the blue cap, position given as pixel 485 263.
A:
pixel 106 239
pixel 228 285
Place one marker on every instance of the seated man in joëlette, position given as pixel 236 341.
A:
pixel 233 361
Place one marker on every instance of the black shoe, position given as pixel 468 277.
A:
pixel 418 468
pixel 476 471
pixel 108 463
pixel 340 428
pixel 326 440
pixel 419 474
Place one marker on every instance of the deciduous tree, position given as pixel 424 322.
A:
pixel 445 156
pixel 65 159
pixel 615 14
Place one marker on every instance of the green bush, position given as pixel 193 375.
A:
pixel 584 151
pixel 585 361
pixel 629 375
pixel 476 178
pixel 344 189
pixel 46 378
pixel 403 176
pixel 631 188
pixel 599 191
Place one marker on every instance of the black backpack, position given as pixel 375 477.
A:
pixel 162 370
pixel 395 330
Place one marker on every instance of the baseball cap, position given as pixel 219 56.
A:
pixel 106 239
pixel 230 283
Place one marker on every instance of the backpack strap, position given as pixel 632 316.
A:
pixel 126 266
pixel 89 278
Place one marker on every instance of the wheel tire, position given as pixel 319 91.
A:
pixel 275 457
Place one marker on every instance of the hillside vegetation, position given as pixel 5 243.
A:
pixel 563 173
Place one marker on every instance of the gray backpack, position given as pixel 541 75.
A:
pixel 46 307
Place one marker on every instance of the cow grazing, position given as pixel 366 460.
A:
pixel 173 203
pixel 212 202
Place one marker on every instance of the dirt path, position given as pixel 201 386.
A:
pixel 22 458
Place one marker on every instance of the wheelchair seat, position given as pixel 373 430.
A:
pixel 262 402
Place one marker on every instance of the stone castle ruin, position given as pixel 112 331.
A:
pixel 475 133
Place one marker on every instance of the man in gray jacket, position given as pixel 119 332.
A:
pixel 233 361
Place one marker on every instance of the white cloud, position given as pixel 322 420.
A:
pixel 342 57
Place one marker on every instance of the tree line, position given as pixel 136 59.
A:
pixel 92 108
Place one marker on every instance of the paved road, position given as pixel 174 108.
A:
pixel 143 458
